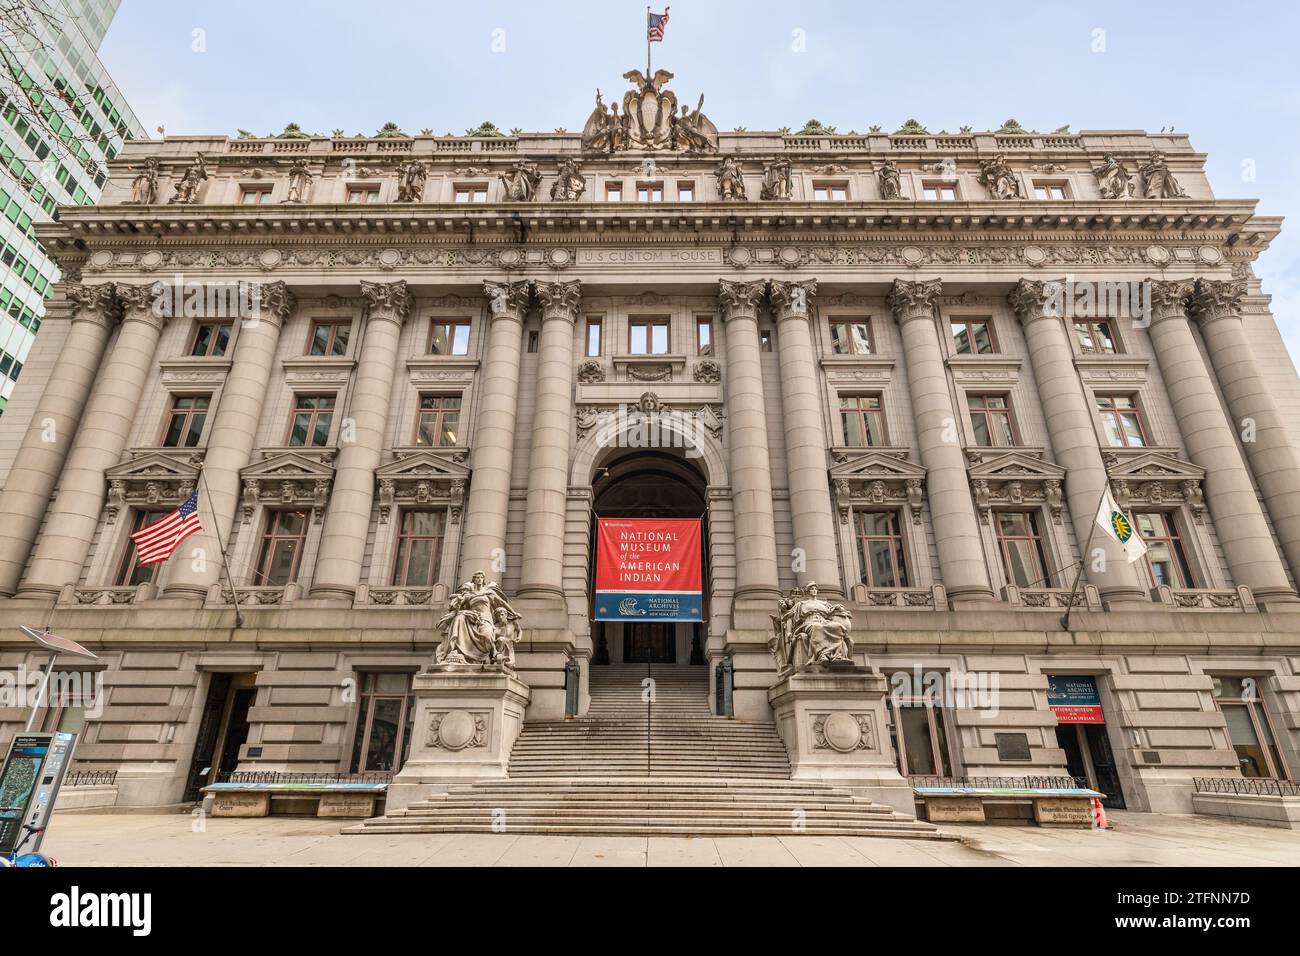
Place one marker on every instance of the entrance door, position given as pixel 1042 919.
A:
pixel 649 644
pixel 1090 760
pixel 223 729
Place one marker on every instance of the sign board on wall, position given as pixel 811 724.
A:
pixel 648 569
pixel 29 784
pixel 1074 699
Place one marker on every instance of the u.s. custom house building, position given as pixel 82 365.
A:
pixel 903 367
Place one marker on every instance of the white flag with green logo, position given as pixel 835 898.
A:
pixel 1119 526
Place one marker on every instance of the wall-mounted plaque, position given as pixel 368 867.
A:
pixel 1013 746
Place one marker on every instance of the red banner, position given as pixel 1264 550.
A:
pixel 648 569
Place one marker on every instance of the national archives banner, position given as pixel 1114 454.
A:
pixel 648 569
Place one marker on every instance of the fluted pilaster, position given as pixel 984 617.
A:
pixel 1229 493
pixel 956 527
pixel 347 517
pixel 484 543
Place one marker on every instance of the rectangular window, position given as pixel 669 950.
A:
pixel 918 731
pixel 1095 337
pixel 449 337
pixel 880 549
pixel 329 337
pixel 764 340
pixel 851 335
pixel 648 336
pixel 1165 557
pixel 210 339
pixel 1050 191
pixel 862 421
pixel 613 192
pixel 439 422
pixel 973 336
pixel 1249 727
pixel 363 195
pixel 1023 559
pixel 471 192
pixel 131 572
pixel 1122 420
pixel 594 329
pixel 281 551
pixel 830 192
pixel 385 717
pixel 649 192
pixel 704 334
pixel 419 548
pixel 185 421
pixel 990 418
pixel 939 192
pixel 258 195
pixel 313 415
pixel 686 192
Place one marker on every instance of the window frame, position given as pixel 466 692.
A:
pixel 401 567
pixel 439 417
pixel 940 743
pixel 968 322
pixel 646 191
pixel 650 323
pixel 704 335
pixel 830 187
pixel 313 417
pixel 847 320
pixel 861 414
pixel 939 187
pixel 188 415
pixel 334 324
pixel 217 327
pixel 1117 415
pixel 595 323
pixel 1036 537
pixel 476 192
pixel 437 322
pixel 989 414
pixel 364 721
pixel 896 537
pixel 1176 543
pixel 614 191
pixel 687 186
pixel 1061 185
pixel 130 559
pixel 264 190
pixel 1090 324
pixel 369 190
pixel 1261 721
pixel 268 539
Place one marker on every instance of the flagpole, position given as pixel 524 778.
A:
pixel 225 565
pixel 647 44
pixel 1087 548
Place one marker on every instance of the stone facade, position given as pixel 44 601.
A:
pixel 530 238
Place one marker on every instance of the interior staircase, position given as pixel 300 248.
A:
pixel 649 759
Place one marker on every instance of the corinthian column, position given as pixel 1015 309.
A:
pixel 45 446
pixel 484 542
pixel 548 466
pixel 229 447
pixel 750 464
pixel 1274 458
pixel 99 444
pixel 956 528
pixel 1069 415
pixel 1243 532
pixel 347 518
pixel 805 438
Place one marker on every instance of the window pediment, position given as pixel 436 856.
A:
pixel 1014 479
pixel 877 478
pixel 151 479
pixel 288 480
pixel 1155 480
pixel 423 477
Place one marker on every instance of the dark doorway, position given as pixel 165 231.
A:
pixel 1091 761
pixel 649 644
pixel 223 730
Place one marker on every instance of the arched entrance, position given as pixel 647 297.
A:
pixel 641 483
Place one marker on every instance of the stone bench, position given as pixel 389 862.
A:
pixel 1052 806
pixel 348 800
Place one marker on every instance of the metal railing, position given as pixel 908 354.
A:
pixel 1253 786
pixel 90 778
pixel 1019 783
pixel 282 776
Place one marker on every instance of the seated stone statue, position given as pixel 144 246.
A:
pixel 810 630
pixel 480 627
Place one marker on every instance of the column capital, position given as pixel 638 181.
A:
pixel 1169 298
pixel 144 303
pixel 506 300
pixel 1033 299
pixel 791 298
pixel 915 300
pixel 739 298
pixel 1218 299
pixel 273 298
pixel 387 300
pixel 93 303
pixel 559 299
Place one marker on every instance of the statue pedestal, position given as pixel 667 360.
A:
pixel 466 722
pixel 833 722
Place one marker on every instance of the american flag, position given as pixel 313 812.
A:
pixel 158 541
pixel 658 22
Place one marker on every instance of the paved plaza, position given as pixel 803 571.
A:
pixel 1136 840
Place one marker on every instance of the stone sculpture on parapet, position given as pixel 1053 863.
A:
pixel 479 630
pixel 809 630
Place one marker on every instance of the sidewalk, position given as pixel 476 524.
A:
pixel 1138 840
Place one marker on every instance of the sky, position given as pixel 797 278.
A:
pixel 1228 74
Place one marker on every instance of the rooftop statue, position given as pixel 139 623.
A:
pixel 649 120
pixel 1113 179
pixel 809 630
pixel 144 188
pixel 186 189
pixel 520 182
pixel 411 175
pixel 569 183
pixel 997 177
pixel 1158 181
